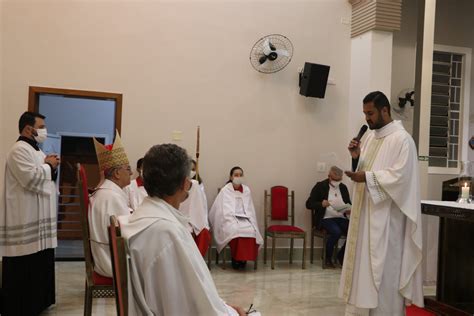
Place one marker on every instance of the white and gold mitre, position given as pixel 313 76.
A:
pixel 111 156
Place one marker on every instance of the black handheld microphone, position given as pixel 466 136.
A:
pixel 362 131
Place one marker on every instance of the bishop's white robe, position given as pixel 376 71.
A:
pixel 195 207
pixel 135 194
pixel 29 204
pixel 382 264
pixel 225 223
pixel 109 199
pixel 167 274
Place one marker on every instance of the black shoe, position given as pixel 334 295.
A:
pixel 243 264
pixel 341 261
pixel 235 264
pixel 329 265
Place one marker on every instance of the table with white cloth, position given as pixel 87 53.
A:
pixel 455 277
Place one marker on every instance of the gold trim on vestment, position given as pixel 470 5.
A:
pixel 354 223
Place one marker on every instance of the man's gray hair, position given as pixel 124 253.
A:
pixel 164 169
pixel 110 172
pixel 336 170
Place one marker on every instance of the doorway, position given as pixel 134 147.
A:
pixel 73 119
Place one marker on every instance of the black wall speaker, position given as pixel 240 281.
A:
pixel 313 80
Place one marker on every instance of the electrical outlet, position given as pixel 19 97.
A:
pixel 177 135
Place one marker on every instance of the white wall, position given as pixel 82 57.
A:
pixel 185 63
pixel 2 126
pixel 403 60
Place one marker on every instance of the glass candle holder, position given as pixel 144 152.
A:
pixel 465 182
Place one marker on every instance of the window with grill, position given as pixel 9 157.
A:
pixel 446 106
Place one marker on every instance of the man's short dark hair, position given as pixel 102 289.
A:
pixel 139 163
pixel 28 119
pixel 379 99
pixel 164 169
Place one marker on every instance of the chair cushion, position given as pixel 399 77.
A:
pixel 279 203
pixel 101 280
pixel 284 228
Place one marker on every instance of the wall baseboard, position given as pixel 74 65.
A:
pixel 282 254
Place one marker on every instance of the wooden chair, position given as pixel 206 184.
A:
pixel 321 233
pixel 119 266
pixel 276 209
pixel 97 286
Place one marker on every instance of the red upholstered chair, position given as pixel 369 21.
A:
pixel 96 284
pixel 276 208
pixel 119 266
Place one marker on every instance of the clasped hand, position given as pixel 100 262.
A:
pixel 357 176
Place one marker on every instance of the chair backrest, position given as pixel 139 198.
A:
pixel 84 212
pixel 119 266
pixel 276 205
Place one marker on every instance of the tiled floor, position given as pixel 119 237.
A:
pixel 287 290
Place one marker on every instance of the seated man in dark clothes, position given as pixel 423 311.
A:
pixel 327 201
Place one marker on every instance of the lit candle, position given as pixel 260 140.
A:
pixel 465 191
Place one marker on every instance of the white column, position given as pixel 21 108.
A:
pixel 371 70
pixel 421 128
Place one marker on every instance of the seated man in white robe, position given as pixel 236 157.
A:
pixel 234 222
pixel 168 275
pixel 136 191
pixel 108 199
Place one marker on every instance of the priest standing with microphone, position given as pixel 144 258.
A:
pixel 382 266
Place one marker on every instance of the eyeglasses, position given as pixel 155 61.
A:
pixel 128 168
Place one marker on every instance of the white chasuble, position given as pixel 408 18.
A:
pixel 384 246
pixel 109 199
pixel 167 274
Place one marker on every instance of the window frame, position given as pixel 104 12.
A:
pixel 464 106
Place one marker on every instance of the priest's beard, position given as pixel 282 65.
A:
pixel 377 124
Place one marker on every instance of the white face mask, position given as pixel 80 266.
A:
pixel 238 180
pixel 42 135
pixel 192 174
pixel 335 183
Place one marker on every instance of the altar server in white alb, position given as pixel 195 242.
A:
pixel 168 275
pixel 382 265
pixel 136 191
pixel 28 222
pixel 234 222
pixel 108 199
pixel 195 207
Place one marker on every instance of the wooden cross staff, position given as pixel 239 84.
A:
pixel 197 153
